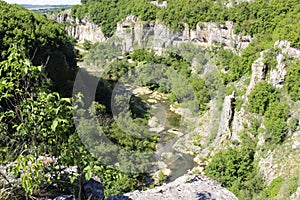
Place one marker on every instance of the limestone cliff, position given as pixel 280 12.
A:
pixel 157 35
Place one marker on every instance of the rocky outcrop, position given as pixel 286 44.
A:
pixel 276 162
pixel 212 33
pixel 259 72
pixel 163 4
pixel 277 74
pixel 86 31
pixel 80 29
pixel 188 187
pixel 158 36
pixel 286 48
pixel 224 131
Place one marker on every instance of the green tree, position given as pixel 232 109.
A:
pixel 275 122
pixel 292 81
pixel 261 96
pixel 34 120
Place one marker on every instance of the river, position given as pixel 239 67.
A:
pixel 171 130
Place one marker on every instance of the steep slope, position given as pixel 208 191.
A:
pixel 256 115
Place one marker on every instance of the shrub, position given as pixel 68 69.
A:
pixel 275 122
pixel 261 96
pixel 292 81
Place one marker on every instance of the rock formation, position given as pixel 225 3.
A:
pixel 188 187
pixel 86 31
pixel 163 4
pixel 157 36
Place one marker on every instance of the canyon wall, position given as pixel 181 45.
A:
pixel 135 33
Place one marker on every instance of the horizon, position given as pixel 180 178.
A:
pixel 43 2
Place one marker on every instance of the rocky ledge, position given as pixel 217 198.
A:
pixel 187 187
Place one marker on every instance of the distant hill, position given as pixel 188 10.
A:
pixel 45 9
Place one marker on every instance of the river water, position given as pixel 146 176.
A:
pixel 178 162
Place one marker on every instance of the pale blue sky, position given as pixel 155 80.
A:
pixel 43 2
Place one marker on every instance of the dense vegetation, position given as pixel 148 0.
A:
pixel 36 122
pixel 171 60
pixel 237 170
pixel 44 43
pixel 270 20
pixel 293 82
pixel 267 21
pixel 38 67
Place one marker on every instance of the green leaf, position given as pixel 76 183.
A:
pixel 68 100
pixel 88 172
pixel 54 125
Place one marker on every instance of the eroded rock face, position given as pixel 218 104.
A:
pixel 163 4
pixel 188 187
pixel 158 36
pixel 212 33
pixel 277 75
pixel 80 30
pixel 287 49
pixel 87 31
pixel 224 131
pixel 259 72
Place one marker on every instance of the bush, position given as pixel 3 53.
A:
pixel 273 189
pixel 236 170
pixel 261 96
pixel 275 122
pixel 292 81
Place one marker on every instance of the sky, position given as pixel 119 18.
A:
pixel 43 2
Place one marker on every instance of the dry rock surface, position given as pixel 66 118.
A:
pixel 188 187
pixel 157 35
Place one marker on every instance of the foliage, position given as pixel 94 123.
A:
pixel 102 54
pixel 230 66
pixel 261 96
pixel 275 122
pixel 42 41
pixel 273 189
pixel 237 170
pixel 37 34
pixel 31 172
pixel 161 177
pixel 30 115
pixel 87 45
pixel 37 122
pixel 292 81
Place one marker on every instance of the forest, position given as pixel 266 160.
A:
pixel 41 137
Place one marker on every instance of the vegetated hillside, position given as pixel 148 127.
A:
pixel 43 41
pixel 261 104
pixel 37 127
pixel 268 20
pixel 245 134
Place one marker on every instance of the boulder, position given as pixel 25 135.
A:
pixel 93 190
